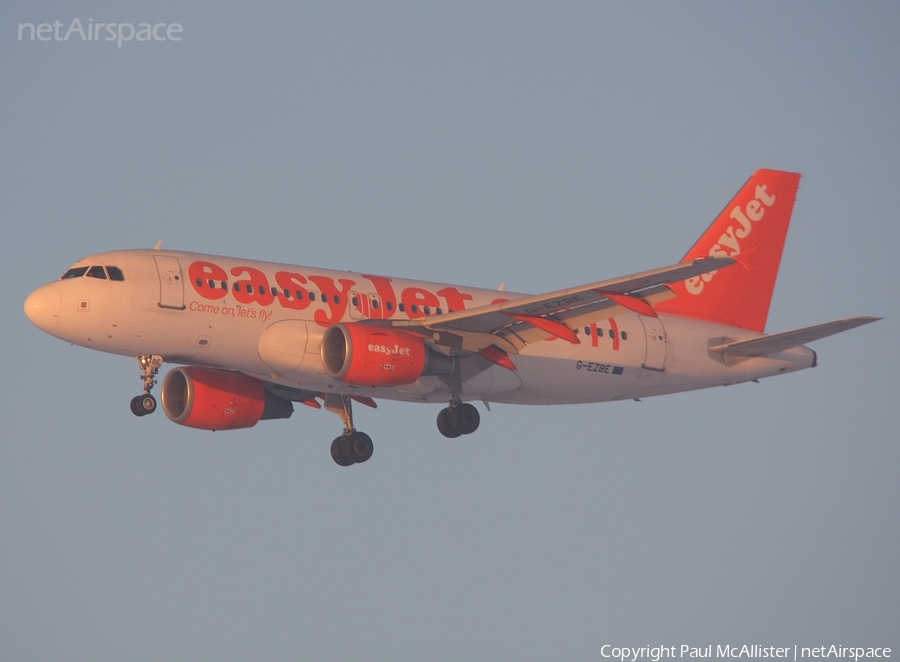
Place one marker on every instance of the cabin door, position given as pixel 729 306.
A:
pixel 171 284
pixel 655 336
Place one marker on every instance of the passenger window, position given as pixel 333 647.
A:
pixel 224 286
pixel 599 333
pixel 324 298
pixel 115 273
pixel 587 330
pixel 312 296
pixel 612 334
pixel 237 287
pixel 401 307
pixel 77 272
pixel 439 311
pixel 249 289
pixel 299 294
pixel 414 309
pixel 624 335
pixel 96 272
pixel 274 291
pixel 427 310
pixel 375 304
pixel 212 284
pixel 389 305
pixel 337 298
pixel 199 282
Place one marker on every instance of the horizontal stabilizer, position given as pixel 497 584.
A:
pixel 778 342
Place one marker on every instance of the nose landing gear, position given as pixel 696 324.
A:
pixel 144 404
pixel 458 419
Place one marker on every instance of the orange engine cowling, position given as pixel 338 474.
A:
pixel 371 355
pixel 212 399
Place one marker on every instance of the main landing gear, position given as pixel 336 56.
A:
pixel 457 419
pixel 353 446
pixel 144 404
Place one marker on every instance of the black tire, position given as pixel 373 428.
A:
pixel 445 426
pixel 464 418
pixel 337 454
pixel 362 446
pixel 136 407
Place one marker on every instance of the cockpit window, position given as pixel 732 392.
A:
pixel 94 272
pixel 75 272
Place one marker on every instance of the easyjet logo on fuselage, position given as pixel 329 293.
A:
pixel 729 243
pixel 296 291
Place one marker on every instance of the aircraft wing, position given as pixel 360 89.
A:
pixel 510 325
pixel 778 342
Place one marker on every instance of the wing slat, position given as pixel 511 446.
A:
pixel 571 305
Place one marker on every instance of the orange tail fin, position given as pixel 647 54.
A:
pixel 751 229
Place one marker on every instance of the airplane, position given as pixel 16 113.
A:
pixel 252 338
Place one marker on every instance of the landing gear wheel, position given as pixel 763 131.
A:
pixel 141 405
pixel 352 448
pixel 148 403
pixel 337 454
pixel 445 427
pixel 361 445
pixel 464 418
pixel 458 419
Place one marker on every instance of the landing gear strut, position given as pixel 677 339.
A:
pixel 144 404
pixel 457 419
pixel 353 446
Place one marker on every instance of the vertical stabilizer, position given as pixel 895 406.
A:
pixel 751 229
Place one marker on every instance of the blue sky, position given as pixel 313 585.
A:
pixel 546 145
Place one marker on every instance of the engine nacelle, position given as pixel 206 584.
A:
pixel 371 355
pixel 212 399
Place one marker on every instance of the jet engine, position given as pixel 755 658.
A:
pixel 212 399
pixel 370 355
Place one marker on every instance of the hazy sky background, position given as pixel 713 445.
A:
pixel 546 145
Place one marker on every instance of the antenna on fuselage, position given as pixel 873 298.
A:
pixel 158 245
pixel 502 287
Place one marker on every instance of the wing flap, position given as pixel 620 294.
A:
pixel 523 334
pixel 778 342
pixel 572 303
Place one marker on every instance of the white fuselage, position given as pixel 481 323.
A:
pixel 185 307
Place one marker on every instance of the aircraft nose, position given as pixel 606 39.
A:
pixel 42 307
